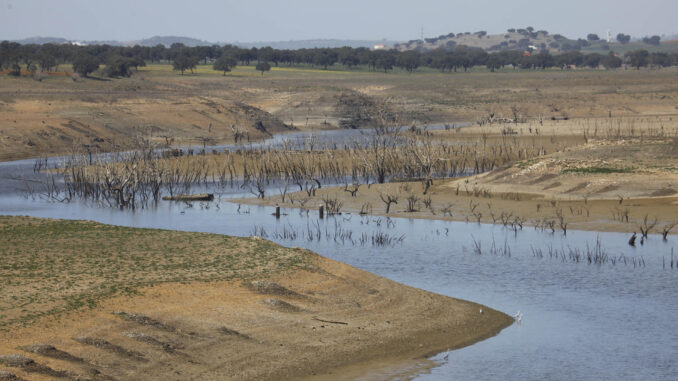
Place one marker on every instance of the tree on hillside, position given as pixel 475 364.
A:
pixel 224 63
pixel 654 40
pixel 263 66
pixel 623 38
pixel 85 64
pixel 593 37
pixel 184 62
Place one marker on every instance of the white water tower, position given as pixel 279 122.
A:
pixel 609 36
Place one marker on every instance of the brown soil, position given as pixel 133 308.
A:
pixel 58 115
pixel 342 318
pixel 605 186
pixel 385 322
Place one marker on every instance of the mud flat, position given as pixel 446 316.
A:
pixel 206 306
pixel 618 185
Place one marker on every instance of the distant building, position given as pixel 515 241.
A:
pixel 379 47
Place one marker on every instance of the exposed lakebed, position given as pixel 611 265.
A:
pixel 611 320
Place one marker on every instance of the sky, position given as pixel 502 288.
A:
pixel 264 20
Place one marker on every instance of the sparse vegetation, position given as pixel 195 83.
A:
pixel 50 266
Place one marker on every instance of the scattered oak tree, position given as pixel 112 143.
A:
pixel 623 38
pixel 225 64
pixel 654 40
pixel 85 64
pixel 184 62
pixel 263 67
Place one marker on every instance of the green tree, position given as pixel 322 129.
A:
pixel 494 62
pixel 137 61
pixel 85 64
pixel 637 58
pixel 611 61
pixel 263 66
pixel 654 40
pixel 409 60
pixel 592 37
pixel 224 63
pixel 660 59
pixel 324 58
pixel 593 60
pixel 46 61
pixel 385 62
pixel 623 38
pixel 184 62
pixel 118 66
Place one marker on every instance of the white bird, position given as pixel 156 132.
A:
pixel 447 355
pixel 518 317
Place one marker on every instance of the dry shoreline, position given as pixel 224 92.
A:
pixel 321 319
pixel 595 214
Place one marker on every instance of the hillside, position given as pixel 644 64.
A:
pixel 320 43
pixel 188 41
pixel 169 40
pixel 516 39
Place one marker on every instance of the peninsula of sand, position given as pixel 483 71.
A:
pixel 82 300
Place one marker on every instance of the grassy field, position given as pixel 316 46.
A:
pixel 50 267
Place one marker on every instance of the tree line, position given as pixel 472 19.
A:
pixel 119 61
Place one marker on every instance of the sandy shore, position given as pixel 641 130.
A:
pixel 322 321
pixel 532 209
pixel 619 186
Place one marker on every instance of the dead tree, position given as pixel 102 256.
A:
pixel 388 199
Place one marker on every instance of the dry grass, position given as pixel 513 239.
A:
pixel 50 267
pixel 52 116
pixel 300 315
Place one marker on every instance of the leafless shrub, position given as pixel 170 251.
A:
pixel 388 199
pixel 647 226
pixel 332 205
pixel 412 202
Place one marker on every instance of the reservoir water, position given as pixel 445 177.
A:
pixel 584 321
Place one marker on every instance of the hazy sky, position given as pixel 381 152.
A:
pixel 262 20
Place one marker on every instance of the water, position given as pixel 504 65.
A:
pixel 323 138
pixel 581 321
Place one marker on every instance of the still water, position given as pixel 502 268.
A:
pixel 580 321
